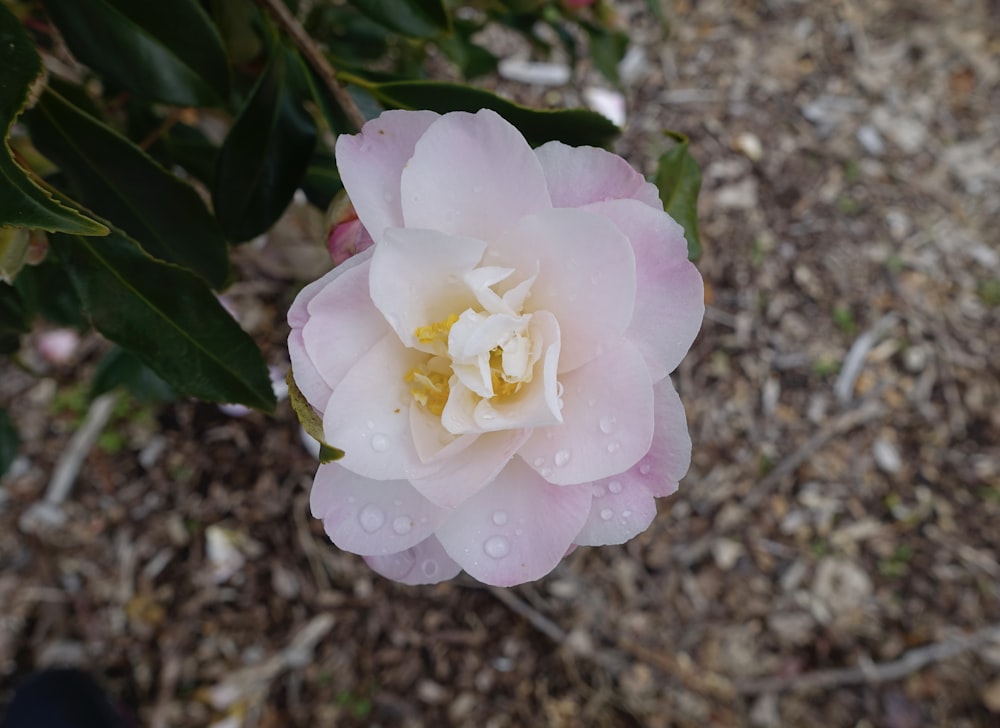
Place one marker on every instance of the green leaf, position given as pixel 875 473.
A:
pixel 322 181
pixel 120 368
pixel 13 319
pixel 119 181
pixel 414 18
pixel 267 151
pixel 471 58
pixel 46 290
pixel 162 51
pixel 607 48
pixel 678 178
pixel 310 421
pixel 572 126
pixel 8 441
pixel 24 201
pixel 168 318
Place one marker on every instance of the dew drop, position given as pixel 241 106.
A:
pixel 429 567
pixel 496 547
pixel 560 389
pixel 499 517
pixel 380 443
pixel 402 525
pixel 371 518
pixel 518 531
pixel 614 446
pixel 488 416
pixel 626 514
pixel 606 514
pixel 591 402
pixel 615 486
pixel 545 473
pixel 644 469
pixel 599 491
pixel 539 462
pixel 370 425
pixel 562 457
pixel 607 424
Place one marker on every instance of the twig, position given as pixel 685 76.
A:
pixel 538 620
pixel 870 673
pixel 855 359
pixel 316 59
pixel 845 422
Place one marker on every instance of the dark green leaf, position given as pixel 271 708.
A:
pixel 471 58
pixel 238 22
pixel 13 319
pixel 266 154
pixel 47 290
pixel 120 368
pixel 162 51
pixel 322 181
pixel 607 48
pixel 572 126
pixel 24 201
pixel 168 318
pixel 8 441
pixel 414 18
pixel 310 421
pixel 679 179
pixel 121 182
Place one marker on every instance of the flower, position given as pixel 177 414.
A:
pixel 495 366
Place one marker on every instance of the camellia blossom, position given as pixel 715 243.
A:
pixel 495 367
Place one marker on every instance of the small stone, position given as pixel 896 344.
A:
pixel 871 140
pixel 726 553
pixel 749 146
pixel 887 456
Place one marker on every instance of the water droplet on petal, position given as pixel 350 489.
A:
pixel 496 547
pixel 380 443
pixel 562 457
pixel 599 491
pixel 430 568
pixel 607 424
pixel 560 389
pixel 371 518
pixel 644 469
pixel 402 525
pixel 499 517
pixel 626 514
pixel 614 446
pixel 539 462
pixel 591 402
pixel 545 473
pixel 615 486
pixel 607 514
pixel 518 531
pixel 370 425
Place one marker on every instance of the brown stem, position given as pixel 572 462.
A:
pixel 316 59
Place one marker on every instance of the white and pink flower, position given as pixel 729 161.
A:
pixel 495 367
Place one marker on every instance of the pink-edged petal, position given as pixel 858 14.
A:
pixel 298 312
pixel 417 280
pixel 371 163
pixel 370 517
pixel 367 415
pixel 517 528
pixel 622 509
pixel 307 378
pixel 670 295
pixel 586 277
pixel 669 456
pixel 425 563
pixel 461 477
pixel 578 176
pixel 472 174
pixel 342 325
pixel 607 420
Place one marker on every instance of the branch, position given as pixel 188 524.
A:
pixel 870 673
pixel 316 59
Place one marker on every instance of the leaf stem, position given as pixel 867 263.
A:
pixel 308 47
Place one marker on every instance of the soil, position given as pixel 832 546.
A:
pixel 831 557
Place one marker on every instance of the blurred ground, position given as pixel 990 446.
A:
pixel 829 554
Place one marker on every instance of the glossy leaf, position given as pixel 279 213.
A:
pixel 310 421
pixel 572 126
pixel 471 58
pixel 24 201
pixel 168 318
pixel 120 368
pixel 46 290
pixel 162 51
pixel 413 18
pixel 8 441
pixel 607 49
pixel 679 179
pixel 322 181
pixel 119 181
pixel 267 151
pixel 13 319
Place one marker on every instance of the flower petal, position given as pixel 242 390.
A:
pixel 371 517
pixel 342 325
pixel 578 176
pixel 472 174
pixel 517 528
pixel 298 312
pixel 425 563
pixel 622 509
pixel 368 413
pixel 370 165
pixel 307 378
pixel 460 478
pixel 417 280
pixel 669 456
pixel 586 277
pixel 607 420
pixel 670 296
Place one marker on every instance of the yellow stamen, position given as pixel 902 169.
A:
pixel 501 387
pixel 435 331
pixel 430 389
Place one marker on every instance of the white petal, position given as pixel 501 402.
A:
pixel 425 563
